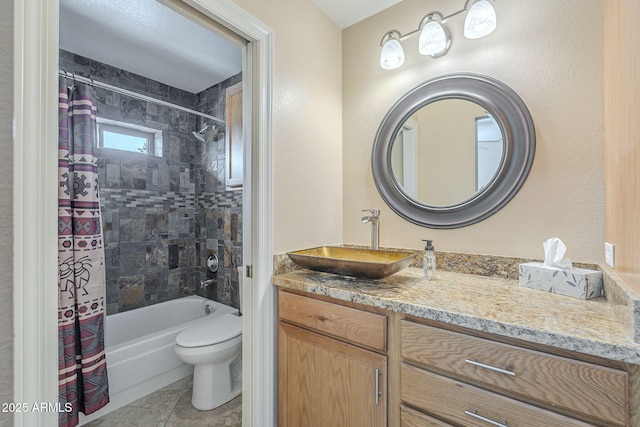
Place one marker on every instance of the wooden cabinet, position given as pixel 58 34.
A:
pixel 332 369
pixel 412 418
pixel 471 381
pixel 463 404
pixel 341 365
pixel 345 323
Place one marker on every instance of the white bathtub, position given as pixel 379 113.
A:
pixel 139 348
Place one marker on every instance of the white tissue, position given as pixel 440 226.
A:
pixel 554 250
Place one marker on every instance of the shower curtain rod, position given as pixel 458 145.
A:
pixel 134 94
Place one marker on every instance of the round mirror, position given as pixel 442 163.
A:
pixel 453 142
pixel 453 151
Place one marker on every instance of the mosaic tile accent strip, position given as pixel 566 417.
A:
pixel 115 198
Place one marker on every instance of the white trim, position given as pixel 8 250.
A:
pixel 248 347
pixel 127 125
pixel 263 390
pixel 36 26
pixel 35 208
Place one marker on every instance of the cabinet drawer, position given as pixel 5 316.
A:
pixel 584 388
pixel 357 326
pixel 412 418
pixel 463 404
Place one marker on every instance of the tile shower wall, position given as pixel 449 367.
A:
pixel 219 214
pixel 162 216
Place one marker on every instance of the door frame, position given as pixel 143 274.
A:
pixel 35 294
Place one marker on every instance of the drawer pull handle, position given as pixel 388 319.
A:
pixel 377 381
pixel 475 362
pixel 474 414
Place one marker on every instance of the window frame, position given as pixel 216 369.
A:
pixel 153 136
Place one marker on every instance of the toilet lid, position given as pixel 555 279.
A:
pixel 211 331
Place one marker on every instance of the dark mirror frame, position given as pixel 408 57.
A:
pixel 515 122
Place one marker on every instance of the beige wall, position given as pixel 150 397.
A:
pixel 550 53
pixel 6 231
pixel 444 136
pixel 307 123
pixel 622 135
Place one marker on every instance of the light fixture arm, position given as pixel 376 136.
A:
pixel 402 37
pixel 429 16
pixel 443 20
pixel 390 35
pixel 464 9
pixel 454 14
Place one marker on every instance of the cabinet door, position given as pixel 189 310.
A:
pixel 325 382
pixel 234 140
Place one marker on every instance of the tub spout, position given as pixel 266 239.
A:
pixel 205 283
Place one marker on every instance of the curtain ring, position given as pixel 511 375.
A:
pixel 73 86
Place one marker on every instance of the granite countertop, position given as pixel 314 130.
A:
pixel 489 304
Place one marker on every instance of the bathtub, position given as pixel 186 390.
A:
pixel 139 348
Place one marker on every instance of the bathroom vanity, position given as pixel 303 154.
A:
pixel 463 350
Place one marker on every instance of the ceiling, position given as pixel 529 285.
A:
pixel 347 12
pixel 147 38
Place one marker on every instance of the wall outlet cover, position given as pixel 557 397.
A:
pixel 610 254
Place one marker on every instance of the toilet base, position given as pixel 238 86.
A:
pixel 216 384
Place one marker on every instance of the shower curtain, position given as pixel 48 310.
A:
pixel 82 369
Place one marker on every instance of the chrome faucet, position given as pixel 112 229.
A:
pixel 206 283
pixel 374 219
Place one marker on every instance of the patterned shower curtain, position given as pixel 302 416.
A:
pixel 82 369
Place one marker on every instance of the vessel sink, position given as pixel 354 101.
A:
pixel 362 263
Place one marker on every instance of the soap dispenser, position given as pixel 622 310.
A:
pixel 429 261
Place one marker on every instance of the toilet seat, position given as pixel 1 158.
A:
pixel 211 331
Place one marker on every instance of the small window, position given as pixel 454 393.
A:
pixel 128 137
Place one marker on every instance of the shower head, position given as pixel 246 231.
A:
pixel 200 135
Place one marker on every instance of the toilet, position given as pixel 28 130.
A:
pixel 214 347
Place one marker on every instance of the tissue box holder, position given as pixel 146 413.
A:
pixel 578 282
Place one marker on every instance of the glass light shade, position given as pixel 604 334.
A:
pixel 392 54
pixel 480 20
pixel 434 39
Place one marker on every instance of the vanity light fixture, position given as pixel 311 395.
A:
pixel 480 20
pixel 392 55
pixel 435 37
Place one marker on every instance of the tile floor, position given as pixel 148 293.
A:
pixel 171 407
